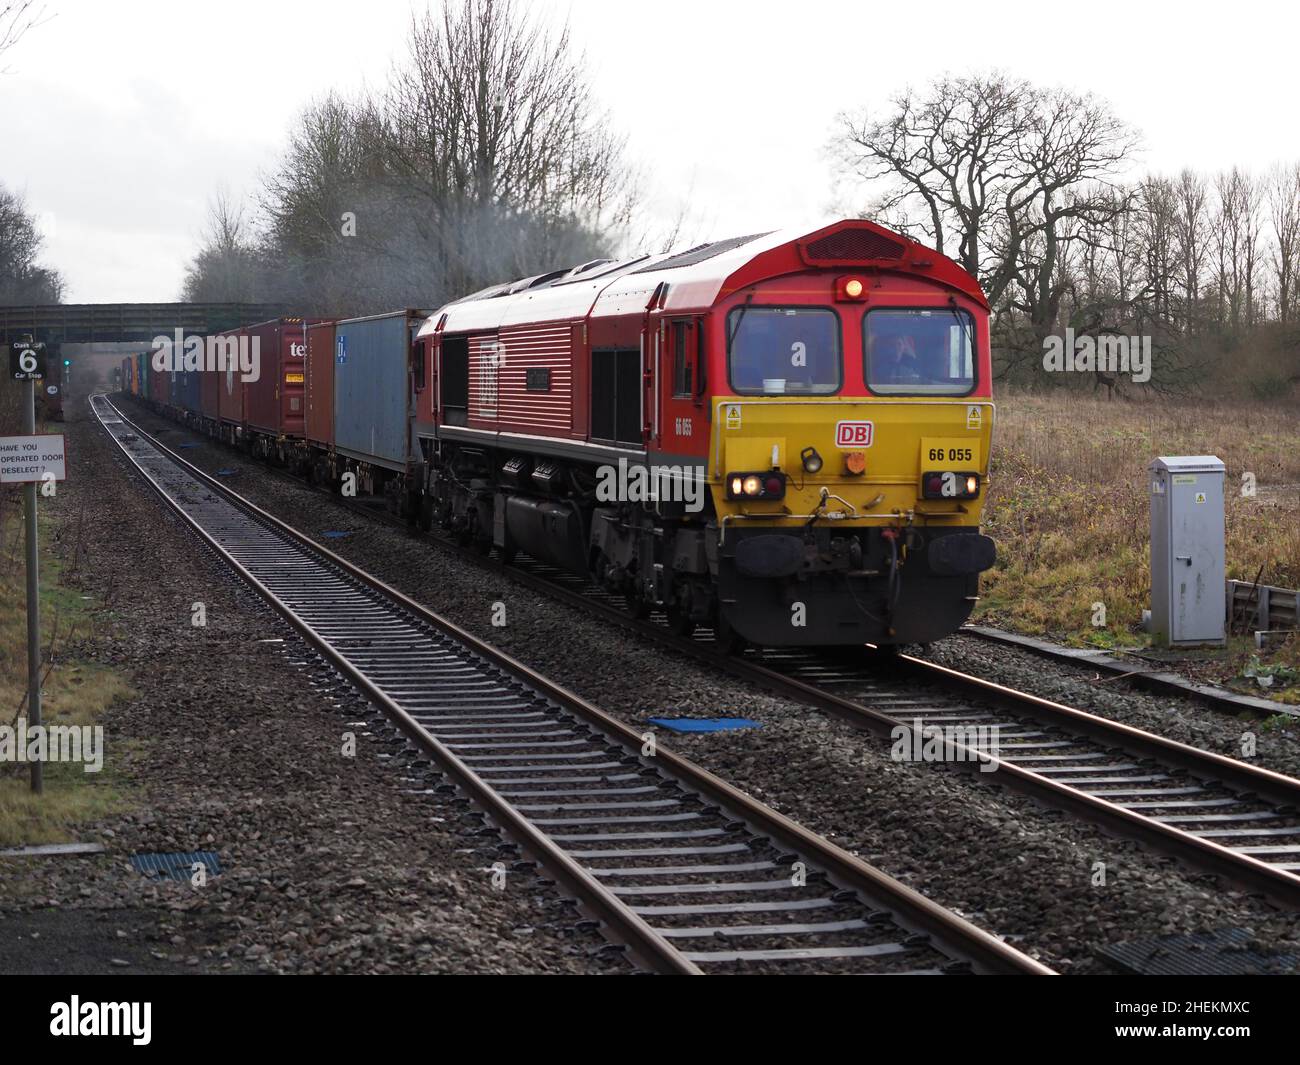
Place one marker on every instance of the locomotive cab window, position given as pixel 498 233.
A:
pixel 683 368
pixel 919 351
pixel 783 351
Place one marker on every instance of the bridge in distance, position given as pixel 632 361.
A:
pixel 106 323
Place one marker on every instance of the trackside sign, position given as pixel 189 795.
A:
pixel 32 458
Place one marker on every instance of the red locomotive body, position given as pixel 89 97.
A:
pixel 573 415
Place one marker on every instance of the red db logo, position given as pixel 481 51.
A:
pixel 853 434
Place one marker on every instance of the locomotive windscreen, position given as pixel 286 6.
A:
pixel 779 350
pixel 919 352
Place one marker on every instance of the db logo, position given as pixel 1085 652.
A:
pixel 854 434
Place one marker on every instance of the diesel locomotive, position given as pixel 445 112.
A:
pixel 781 436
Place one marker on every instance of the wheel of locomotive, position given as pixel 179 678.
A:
pixel 725 638
pixel 636 606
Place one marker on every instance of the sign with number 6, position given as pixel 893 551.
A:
pixel 26 361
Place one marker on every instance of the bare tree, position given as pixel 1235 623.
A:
pixel 16 18
pixel 1190 236
pixel 1284 217
pixel 484 158
pixel 225 268
pixel 999 174
pixel 1236 230
pixel 22 279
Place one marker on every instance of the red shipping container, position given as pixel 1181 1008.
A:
pixel 160 385
pixel 211 384
pixel 230 389
pixel 274 402
pixel 319 422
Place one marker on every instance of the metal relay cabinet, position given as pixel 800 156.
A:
pixel 1187 573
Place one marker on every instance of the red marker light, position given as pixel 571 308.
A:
pixel 850 288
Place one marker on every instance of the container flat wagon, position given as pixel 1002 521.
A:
pixel 376 374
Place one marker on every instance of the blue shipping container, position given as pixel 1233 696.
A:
pixel 372 388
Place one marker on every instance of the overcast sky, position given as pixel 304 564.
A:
pixel 119 118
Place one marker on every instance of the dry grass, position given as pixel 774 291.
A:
pixel 74 692
pixel 1068 505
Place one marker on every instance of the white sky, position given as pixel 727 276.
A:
pixel 119 118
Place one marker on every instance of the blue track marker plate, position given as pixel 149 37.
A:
pixel 703 724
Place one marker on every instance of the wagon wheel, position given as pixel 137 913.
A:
pixel 680 622
pixel 725 638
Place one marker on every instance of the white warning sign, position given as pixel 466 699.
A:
pixel 32 458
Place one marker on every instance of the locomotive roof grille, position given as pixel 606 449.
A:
pixel 699 254
pixel 852 246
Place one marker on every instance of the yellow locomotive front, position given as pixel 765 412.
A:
pixel 850 431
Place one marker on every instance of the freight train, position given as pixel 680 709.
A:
pixel 783 437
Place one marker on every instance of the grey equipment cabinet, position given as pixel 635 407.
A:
pixel 1187 572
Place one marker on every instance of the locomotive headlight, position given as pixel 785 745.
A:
pixel 945 484
pixel 812 462
pixel 768 485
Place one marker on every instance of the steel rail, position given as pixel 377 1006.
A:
pixel 947 932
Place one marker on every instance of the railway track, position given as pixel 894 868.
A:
pixel 1217 814
pixel 691 874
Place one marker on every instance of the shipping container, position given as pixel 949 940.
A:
pixel 185 390
pixel 159 385
pixel 318 424
pixel 373 410
pixel 210 385
pixel 230 389
pixel 273 404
